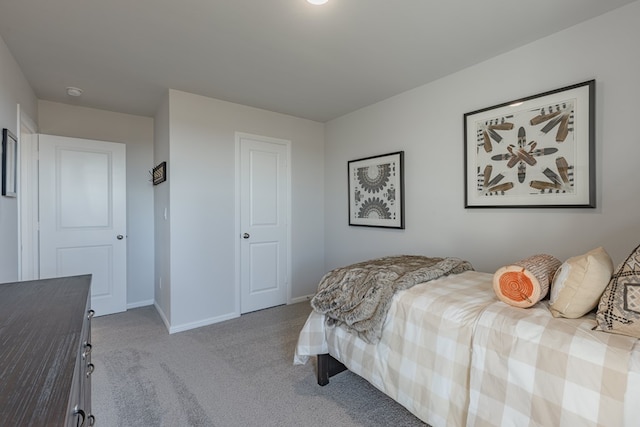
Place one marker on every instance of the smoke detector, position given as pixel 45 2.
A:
pixel 74 91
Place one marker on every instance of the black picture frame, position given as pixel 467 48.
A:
pixel 9 164
pixel 533 152
pixel 159 173
pixel 376 191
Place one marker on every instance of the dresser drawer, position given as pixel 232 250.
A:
pixel 79 409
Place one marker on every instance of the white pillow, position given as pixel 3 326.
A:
pixel 579 283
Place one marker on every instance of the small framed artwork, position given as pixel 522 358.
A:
pixel 537 151
pixel 376 187
pixel 9 162
pixel 159 173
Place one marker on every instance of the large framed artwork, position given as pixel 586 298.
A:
pixel 537 151
pixel 9 163
pixel 376 187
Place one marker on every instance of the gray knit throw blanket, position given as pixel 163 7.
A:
pixel 358 296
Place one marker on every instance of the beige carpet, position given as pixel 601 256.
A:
pixel 234 373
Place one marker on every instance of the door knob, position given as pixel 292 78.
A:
pixel 119 237
pixel 246 235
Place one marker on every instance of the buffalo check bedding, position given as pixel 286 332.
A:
pixel 454 355
pixel 531 369
pixel 422 358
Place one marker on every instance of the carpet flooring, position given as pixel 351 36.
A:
pixel 234 373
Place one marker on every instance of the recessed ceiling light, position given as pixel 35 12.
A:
pixel 74 91
pixel 317 2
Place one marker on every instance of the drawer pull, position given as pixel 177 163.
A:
pixel 92 420
pixel 90 314
pixel 87 350
pixel 79 412
pixel 90 368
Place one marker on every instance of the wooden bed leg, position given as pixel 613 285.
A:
pixel 323 369
pixel 328 366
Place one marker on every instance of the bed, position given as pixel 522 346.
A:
pixel 454 355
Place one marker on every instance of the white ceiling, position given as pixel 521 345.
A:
pixel 315 62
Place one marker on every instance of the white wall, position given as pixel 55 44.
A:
pixel 161 201
pixel 427 123
pixel 202 203
pixel 136 132
pixel 14 90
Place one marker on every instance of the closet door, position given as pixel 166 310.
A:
pixel 264 221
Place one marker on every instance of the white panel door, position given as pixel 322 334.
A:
pixel 264 206
pixel 83 216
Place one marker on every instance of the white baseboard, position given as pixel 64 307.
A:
pixel 301 299
pixel 200 323
pixel 140 304
pixel 211 320
pixel 162 316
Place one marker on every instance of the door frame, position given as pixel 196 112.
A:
pixel 238 226
pixel 28 250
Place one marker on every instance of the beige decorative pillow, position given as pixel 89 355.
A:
pixel 579 282
pixel 619 308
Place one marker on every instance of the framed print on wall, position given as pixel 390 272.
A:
pixel 537 151
pixel 376 191
pixel 9 162
pixel 159 173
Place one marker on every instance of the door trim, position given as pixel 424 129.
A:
pixel 28 252
pixel 237 229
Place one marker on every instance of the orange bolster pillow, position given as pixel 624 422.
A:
pixel 525 282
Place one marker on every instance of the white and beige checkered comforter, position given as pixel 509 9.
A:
pixel 454 355
pixel 531 369
pixel 422 358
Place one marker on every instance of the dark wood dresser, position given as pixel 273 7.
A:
pixel 45 352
